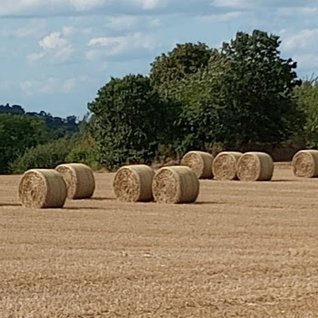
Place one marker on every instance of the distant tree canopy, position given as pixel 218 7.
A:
pixel 58 126
pixel 21 131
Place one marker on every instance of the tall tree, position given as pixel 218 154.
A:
pixel 258 86
pixel 128 121
pixel 185 59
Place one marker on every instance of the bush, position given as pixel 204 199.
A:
pixel 85 151
pixel 48 155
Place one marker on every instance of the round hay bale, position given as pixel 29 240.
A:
pixel 133 183
pixel 255 166
pixel 225 164
pixel 200 162
pixel 305 163
pixel 42 188
pixel 175 184
pixel 79 179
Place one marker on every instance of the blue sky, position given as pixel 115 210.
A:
pixel 56 54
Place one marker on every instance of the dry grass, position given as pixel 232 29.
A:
pixel 243 250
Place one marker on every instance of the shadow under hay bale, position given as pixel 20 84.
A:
pixel 42 188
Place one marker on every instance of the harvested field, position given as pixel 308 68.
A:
pixel 245 249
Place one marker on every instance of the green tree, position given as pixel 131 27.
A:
pixel 18 133
pixel 128 120
pixel 307 99
pixel 185 59
pixel 257 89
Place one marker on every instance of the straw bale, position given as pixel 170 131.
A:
pixel 255 166
pixel 200 162
pixel 175 184
pixel 132 183
pixel 42 188
pixel 225 164
pixel 79 179
pixel 305 163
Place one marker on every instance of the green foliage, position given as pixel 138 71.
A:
pixel 48 155
pixel 257 90
pixel 128 120
pixel 307 99
pixel 18 133
pixel 84 151
pixel 185 59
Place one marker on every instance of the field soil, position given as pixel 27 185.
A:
pixel 245 249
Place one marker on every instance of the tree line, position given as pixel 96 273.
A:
pixel 244 94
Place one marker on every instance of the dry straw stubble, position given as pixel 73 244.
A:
pixel 255 166
pixel 42 188
pixel 224 165
pixel 133 183
pixel 79 179
pixel 200 162
pixel 305 163
pixel 175 184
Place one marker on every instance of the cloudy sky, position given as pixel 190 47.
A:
pixel 56 54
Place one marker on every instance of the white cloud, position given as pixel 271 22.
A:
pixel 51 85
pixel 301 40
pixel 84 5
pixel 123 22
pixel 225 17
pixel 52 41
pixel 149 4
pixel 53 45
pixel 114 46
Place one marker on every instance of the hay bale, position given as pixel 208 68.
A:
pixel 255 166
pixel 79 179
pixel 225 164
pixel 42 188
pixel 133 183
pixel 305 163
pixel 175 184
pixel 200 162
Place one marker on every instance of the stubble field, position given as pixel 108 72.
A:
pixel 243 250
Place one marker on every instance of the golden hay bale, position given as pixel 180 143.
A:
pixel 175 184
pixel 255 166
pixel 79 179
pixel 42 188
pixel 224 165
pixel 133 183
pixel 200 162
pixel 305 163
